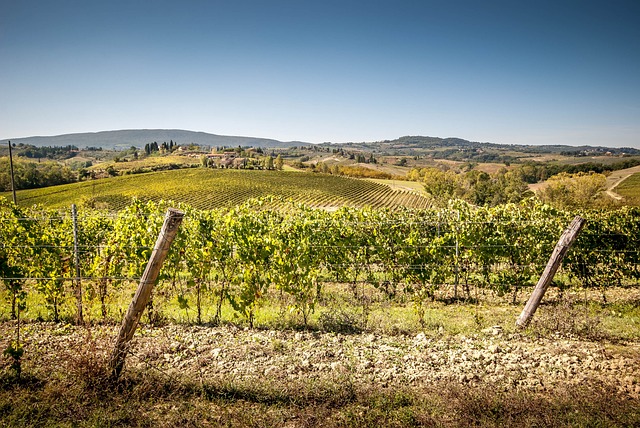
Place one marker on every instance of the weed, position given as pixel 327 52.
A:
pixel 340 321
pixel 278 345
pixel 15 351
pixel 569 317
pixel 87 363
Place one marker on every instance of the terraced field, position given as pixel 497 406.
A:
pixel 207 189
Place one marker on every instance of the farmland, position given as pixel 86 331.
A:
pixel 630 189
pixel 304 317
pixel 209 189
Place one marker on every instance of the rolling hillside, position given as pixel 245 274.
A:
pixel 207 189
pixel 441 148
pixel 123 139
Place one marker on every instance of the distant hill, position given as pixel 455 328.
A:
pixel 124 139
pixel 410 144
pixel 445 148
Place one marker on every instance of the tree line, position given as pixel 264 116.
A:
pixel 32 175
pixel 564 190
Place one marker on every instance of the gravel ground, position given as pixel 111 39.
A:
pixel 491 358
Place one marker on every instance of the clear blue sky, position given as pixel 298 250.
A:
pixel 521 72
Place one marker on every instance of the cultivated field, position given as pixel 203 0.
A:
pixel 629 188
pixel 209 189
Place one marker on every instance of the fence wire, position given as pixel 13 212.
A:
pixel 372 262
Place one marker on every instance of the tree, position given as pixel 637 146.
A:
pixel 279 163
pixel 441 185
pixel 268 163
pixel 513 186
pixel 575 190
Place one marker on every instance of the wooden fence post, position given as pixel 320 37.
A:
pixel 172 221
pixel 13 181
pixel 566 240
pixel 76 263
pixel 457 266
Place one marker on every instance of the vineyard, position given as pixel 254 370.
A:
pixel 209 189
pixel 235 257
pixel 273 313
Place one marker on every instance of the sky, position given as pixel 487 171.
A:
pixel 509 72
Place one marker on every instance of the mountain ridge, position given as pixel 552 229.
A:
pixel 125 138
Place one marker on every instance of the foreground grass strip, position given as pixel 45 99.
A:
pixel 144 400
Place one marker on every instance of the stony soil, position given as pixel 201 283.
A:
pixel 491 357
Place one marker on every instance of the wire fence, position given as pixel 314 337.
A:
pixel 51 253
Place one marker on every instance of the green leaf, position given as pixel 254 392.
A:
pixel 183 302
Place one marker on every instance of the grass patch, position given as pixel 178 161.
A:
pixel 590 319
pixel 338 310
pixel 630 189
pixel 144 400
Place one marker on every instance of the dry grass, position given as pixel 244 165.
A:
pixel 151 400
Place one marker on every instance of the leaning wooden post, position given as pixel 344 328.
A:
pixel 566 240
pixel 172 221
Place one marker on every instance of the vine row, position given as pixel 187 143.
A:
pixel 237 255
